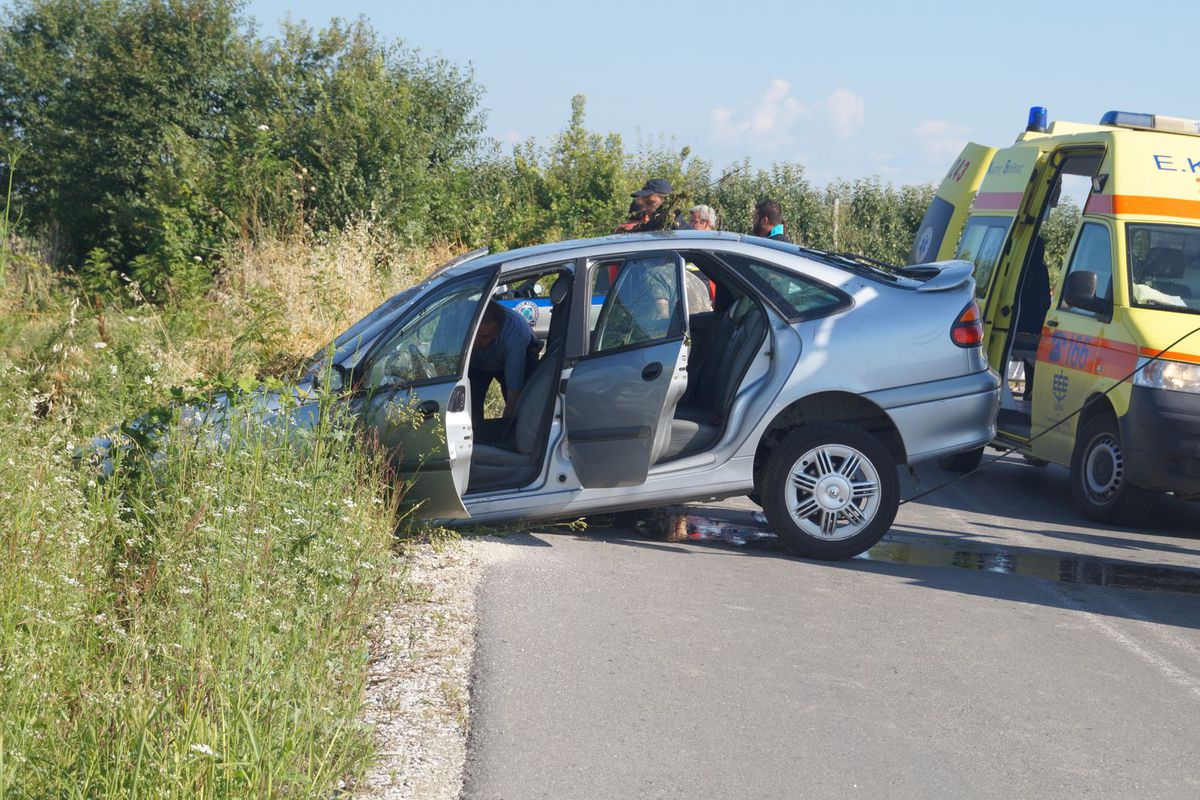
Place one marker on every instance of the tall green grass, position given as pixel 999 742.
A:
pixel 195 628
pixel 198 624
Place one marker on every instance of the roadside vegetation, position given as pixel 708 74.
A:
pixel 201 628
pixel 185 207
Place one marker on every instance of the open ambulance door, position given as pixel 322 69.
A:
pixel 938 235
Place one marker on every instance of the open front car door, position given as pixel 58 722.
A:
pixel 414 394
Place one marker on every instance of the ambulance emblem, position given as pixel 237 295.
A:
pixel 1058 387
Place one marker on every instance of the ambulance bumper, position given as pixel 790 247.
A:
pixel 1161 432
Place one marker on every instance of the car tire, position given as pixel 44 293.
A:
pixel 830 490
pixel 1099 485
pixel 962 462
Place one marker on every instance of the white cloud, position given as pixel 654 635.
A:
pixel 847 112
pixel 773 121
pixel 768 121
pixel 939 140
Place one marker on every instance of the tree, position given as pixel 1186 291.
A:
pixel 116 104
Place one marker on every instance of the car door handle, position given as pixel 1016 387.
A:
pixel 1051 323
pixel 429 408
pixel 651 371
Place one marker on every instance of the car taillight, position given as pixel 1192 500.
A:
pixel 967 330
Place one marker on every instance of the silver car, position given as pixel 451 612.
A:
pixel 803 380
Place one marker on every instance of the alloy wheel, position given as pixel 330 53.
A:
pixel 834 492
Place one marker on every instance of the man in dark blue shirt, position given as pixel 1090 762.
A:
pixel 504 351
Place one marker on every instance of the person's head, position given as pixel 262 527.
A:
pixel 653 193
pixel 767 214
pixel 490 325
pixel 702 218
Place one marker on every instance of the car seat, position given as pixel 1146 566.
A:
pixel 698 422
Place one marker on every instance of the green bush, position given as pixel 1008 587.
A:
pixel 156 132
pixel 153 134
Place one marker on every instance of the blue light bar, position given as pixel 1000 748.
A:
pixel 1038 120
pixel 1151 122
pixel 1128 119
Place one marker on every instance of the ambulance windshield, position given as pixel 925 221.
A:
pixel 1164 266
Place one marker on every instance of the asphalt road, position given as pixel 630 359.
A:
pixel 995 645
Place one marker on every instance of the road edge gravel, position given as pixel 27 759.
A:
pixel 418 683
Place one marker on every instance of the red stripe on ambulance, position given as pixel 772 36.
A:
pixel 998 201
pixel 1090 354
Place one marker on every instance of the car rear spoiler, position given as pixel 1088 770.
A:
pixel 940 276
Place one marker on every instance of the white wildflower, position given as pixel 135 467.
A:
pixel 202 749
pixel 264 128
pixel 146 379
pixel 99 345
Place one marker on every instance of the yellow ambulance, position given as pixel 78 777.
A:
pixel 1086 245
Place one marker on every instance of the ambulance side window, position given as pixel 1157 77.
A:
pixel 981 243
pixel 1093 253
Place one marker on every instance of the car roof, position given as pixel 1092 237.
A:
pixel 674 238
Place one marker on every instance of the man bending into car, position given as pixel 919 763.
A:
pixel 504 351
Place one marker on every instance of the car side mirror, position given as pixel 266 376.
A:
pixel 331 378
pixel 1079 291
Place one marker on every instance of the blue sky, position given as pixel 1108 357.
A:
pixel 848 89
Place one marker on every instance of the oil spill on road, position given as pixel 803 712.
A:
pixel 1025 563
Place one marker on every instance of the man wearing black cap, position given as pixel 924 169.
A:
pixel 648 211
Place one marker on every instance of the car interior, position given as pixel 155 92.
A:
pixel 725 341
pixel 1161 267
pixel 508 452
pixel 1034 297
pixel 726 332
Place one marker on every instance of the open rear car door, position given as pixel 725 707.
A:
pixel 623 392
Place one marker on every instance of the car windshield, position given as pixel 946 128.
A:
pixel 1164 266
pixel 355 338
pixel 347 347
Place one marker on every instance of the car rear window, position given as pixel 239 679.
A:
pixel 795 296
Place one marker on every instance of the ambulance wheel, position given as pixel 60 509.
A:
pixel 830 490
pixel 962 462
pixel 1099 483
